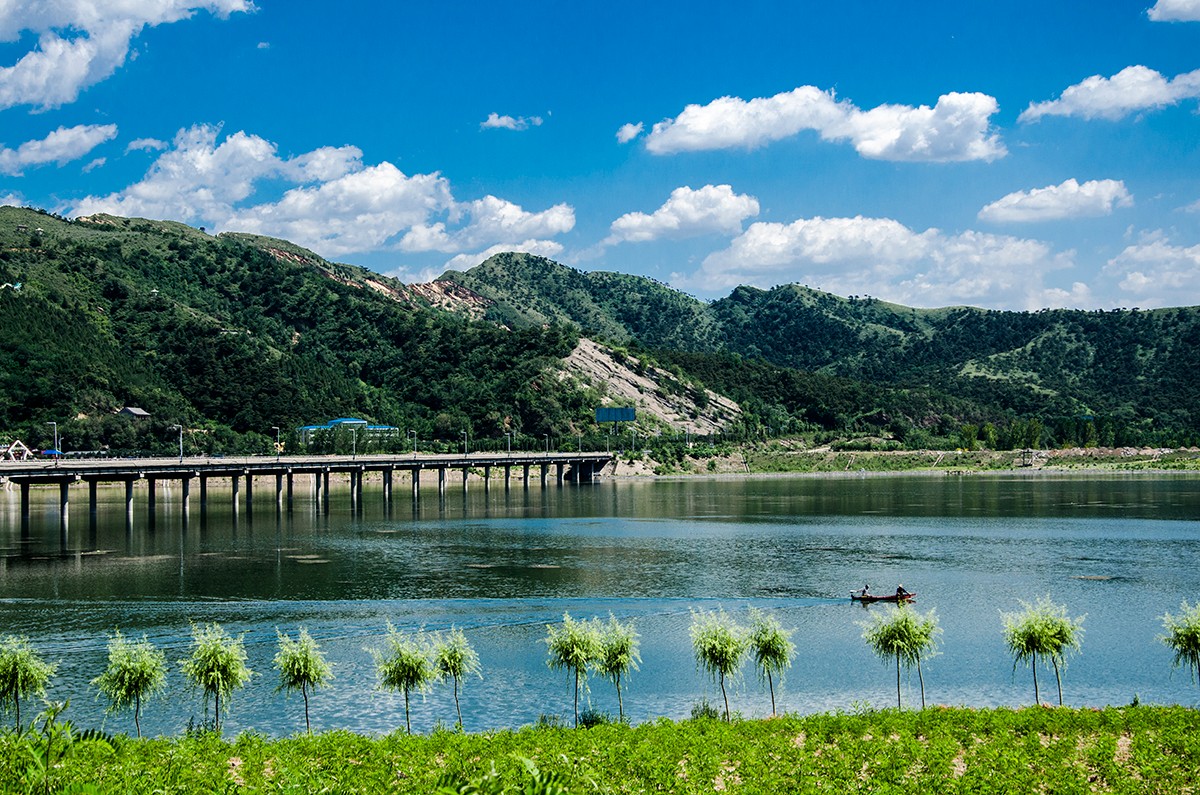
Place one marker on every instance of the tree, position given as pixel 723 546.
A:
pixel 618 655
pixel 217 666
pixel 454 657
pixel 136 671
pixel 720 645
pixel 22 673
pixel 772 648
pixel 905 635
pixel 573 645
pixel 1042 628
pixel 405 665
pixel 1183 636
pixel 301 667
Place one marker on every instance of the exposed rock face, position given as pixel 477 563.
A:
pixel 452 297
pixel 651 390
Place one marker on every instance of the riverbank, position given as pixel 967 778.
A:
pixel 1132 749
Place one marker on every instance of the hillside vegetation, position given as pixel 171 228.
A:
pixel 234 335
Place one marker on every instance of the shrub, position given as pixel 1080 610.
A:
pixel 573 645
pixel 1183 637
pixel 618 655
pixel 906 635
pixel 454 657
pixel 405 665
pixel 136 670
pixel 22 673
pixel 772 648
pixel 217 666
pixel 720 646
pixel 301 667
pixel 1042 628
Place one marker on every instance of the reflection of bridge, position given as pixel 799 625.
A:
pixel 567 467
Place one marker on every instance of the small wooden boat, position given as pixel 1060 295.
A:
pixel 891 597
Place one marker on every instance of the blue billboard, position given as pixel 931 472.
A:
pixel 615 415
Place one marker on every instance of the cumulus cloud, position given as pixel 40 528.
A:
pixel 1132 89
pixel 542 248
pixel 1056 202
pixel 488 220
pixel 955 129
pixel 687 213
pixel 1175 11
pixel 1154 272
pixel 885 258
pixel 61 146
pixel 81 42
pixel 334 204
pixel 146 145
pixel 11 200
pixel 495 121
pixel 628 132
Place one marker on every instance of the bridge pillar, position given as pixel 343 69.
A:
pixel 545 469
pixel 441 481
pixel 249 491
pixel 466 471
pixel 129 501
pixel 289 491
pixel 487 478
pixel 203 493
pixel 387 486
pixel 237 486
pixel 317 492
pixel 558 474
pixel 92 498
pixel 278 492
pixel 525 476
pixel 507 476
pixel 416 483
pixel 358 487
pixel 24 501
pixel 186 488
pixel 151 495
pixel 325 477
pixel 64 500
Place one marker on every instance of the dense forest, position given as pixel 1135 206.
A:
pixel 232 336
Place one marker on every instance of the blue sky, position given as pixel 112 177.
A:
pixel 1013 155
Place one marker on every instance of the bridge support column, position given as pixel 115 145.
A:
pixel 525 476
pixel 92 507
pixel 387 488
pixel 129 501
pixel 24 501
pixel 487 478
pixel 466 472
pixel 358 488
pixel 325 477
pixel 278 492
pixel 318 495
pixel 186 487
pixel 151 497
pixel 249 491
pixel 203 493
pixel 416 483
pixel 441 481
pixel 545 469
pixel 64 501
pixel 507 476
pixel 289 491
pixel 237 486
pixel 558 474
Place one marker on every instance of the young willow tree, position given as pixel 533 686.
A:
pixel 405 665
pixel 1042 629
pixel 217 666
pixel 454 657
pixel 905 635
pixel 301 667
pixel 573 645
pixel 136 671
pixel 772 648
pixel 22 673
pixel 618 655
pixel 720 646
pixel 1183 637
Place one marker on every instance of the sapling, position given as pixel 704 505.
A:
pixel 772 648
pixel 1042 629
pixel 573 645
pixel 405 665
pixel 1183 637
pixel 136 671
pixel 23 673
pixel 618 655
pixel 217 666
pixel 454 657
pixel 907 636
pixel 301 667
pixel 720 646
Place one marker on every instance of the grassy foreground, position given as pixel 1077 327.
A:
pixel 1134 749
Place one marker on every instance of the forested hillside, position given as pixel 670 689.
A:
pixel 233 335
pixel 1111 378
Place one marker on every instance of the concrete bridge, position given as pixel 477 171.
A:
pixel 566 467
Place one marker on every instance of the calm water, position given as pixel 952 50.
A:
pixel 1123 550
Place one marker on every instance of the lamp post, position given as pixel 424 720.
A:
pixel 57 452
pixel 180 429
pixel 464 433
pixel 413 434
pixel 277 448
pixel 579 442
pixel 547 443
pixel 508 441
pixel 354 442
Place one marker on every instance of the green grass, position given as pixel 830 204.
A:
pixel 1135 749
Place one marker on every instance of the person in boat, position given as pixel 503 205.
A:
pixel 866 590
pixel 900 592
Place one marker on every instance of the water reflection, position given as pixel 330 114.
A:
pixel 503 562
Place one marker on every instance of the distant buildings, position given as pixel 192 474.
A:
pixel 361 428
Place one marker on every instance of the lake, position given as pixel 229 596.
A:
pixel 1122 549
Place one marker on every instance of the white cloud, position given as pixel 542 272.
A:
pixel 81 42
pixel 495 121
pixel 1175 11
pixel 1132 89
pixel 61 146
pixel 542 248
pixel 146 145
pixel 11 200
pixel 1153 272
pixel 628 132
pixel 955 129
pixel 1056 202
pixel 334 205
pixel 687 213
pixel 886 259
pixel 95 164
pixel 1194 207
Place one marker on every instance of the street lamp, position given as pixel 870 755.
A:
pixel 413 434
pixel 547 443
pixel 464 433
pixel 180 429
pixel 278 450
pixel 354 442
pixel 508 441
pixel 57 452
